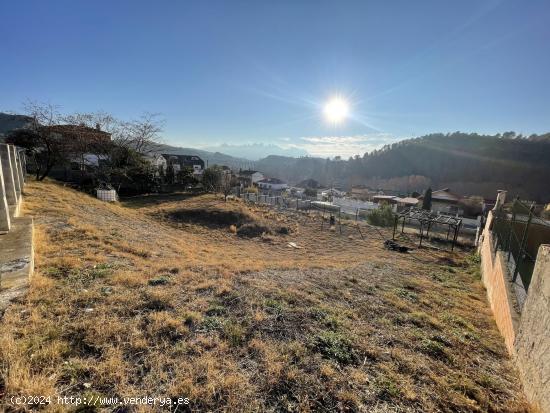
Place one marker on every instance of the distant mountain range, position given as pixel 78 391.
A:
pixel 234 156
pixel 255 151
pixel 211 158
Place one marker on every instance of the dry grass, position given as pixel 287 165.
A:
pixel 126 302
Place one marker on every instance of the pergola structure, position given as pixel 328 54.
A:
pixel 426 220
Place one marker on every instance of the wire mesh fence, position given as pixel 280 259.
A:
pixel 519 232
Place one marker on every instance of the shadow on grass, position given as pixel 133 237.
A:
pixel 143 201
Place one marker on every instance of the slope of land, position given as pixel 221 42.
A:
pixel 153 297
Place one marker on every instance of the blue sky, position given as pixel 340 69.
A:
pixel 261 71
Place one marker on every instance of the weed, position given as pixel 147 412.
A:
pixel 158 281
pixel 335 346
pixel 274 307
pixel 233 332
pixel 434 349
pixel 387 388
pixel 191 318
pixel 216 310
pixel 406 294
pixel 210 324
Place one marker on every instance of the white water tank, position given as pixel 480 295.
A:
pixel 108 195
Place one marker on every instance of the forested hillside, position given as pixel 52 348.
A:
pixel 470 164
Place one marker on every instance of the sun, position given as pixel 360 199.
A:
pixel 336 110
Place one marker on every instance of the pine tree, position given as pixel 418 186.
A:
pixel 427 200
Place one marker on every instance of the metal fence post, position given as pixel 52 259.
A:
pixel 512 228
pixel 523 241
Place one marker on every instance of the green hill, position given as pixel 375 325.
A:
pixel 470 164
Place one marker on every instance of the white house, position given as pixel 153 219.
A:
pixel 272 184
pixel 252 176
pixel 157 161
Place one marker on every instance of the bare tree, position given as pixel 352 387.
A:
pixel 41 144
pixel 227 183
pixel 99 120
pixel 141 135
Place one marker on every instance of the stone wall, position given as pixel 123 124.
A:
pixel 526 335
pixel 495 277
pixel 532 345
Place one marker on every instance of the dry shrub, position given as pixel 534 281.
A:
pixel 162 325
pixel 253 230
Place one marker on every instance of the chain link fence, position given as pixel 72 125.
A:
pixel 519 232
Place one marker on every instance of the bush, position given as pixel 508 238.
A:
pixel 253 230
pixel 251 189
pixel 381 217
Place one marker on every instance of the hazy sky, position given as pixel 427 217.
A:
pixel 261 71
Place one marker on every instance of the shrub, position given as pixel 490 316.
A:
pixel 381 217
pixel 253 230
pixel 158 281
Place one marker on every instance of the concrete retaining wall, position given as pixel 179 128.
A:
pixel 16 233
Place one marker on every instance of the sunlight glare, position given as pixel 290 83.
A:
pixel 336 110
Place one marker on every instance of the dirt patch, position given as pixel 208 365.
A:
pixel 234 218
pixel 211 218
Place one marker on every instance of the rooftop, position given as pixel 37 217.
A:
pixel 271 181
pixel 443 195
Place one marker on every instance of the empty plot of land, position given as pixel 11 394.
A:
pixel 157 296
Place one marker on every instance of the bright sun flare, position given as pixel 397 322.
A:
pixel 336 110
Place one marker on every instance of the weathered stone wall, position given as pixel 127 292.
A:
pixel 499 293
pixel 532 344
pixel 526 335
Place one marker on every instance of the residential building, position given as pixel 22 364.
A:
pixel 157 161
pixel 249 177
pixel 179 162
pixel 398 203
pixel 272 184
pixel 444 201
pixel 389 199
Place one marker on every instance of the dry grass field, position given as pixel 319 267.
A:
pixel 201 298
